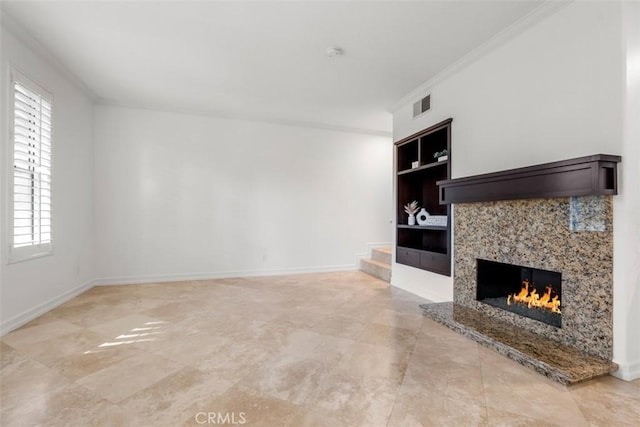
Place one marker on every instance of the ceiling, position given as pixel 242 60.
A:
pixel 263 60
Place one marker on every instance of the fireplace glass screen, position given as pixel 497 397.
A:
pixel 526 291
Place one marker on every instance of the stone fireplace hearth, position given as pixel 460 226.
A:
pixel 542 246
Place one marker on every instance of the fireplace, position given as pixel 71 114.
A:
pixel 529 292
pixel 558 218
pixel 506 232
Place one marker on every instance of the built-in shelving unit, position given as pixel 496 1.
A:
pixel 422 227
pixel 424 247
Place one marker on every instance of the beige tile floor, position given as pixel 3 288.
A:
pixel 334 349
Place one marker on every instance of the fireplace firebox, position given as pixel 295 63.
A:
pixel 526 291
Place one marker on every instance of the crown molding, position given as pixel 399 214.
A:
pixel 258 118
pixel 537 15
pixel 21 34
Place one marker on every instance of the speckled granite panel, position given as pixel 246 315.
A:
pixel 588 213
pixel 562 363
pixel 535 233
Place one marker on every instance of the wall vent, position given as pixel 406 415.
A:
pixel 422 106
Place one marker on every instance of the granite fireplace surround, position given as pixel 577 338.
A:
pixel 537 233
pixel 556 216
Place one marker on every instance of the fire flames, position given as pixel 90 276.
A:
pixel 534 300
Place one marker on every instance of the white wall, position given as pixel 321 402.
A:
pixel 552 92
pixel 30 288
pixel 187 196
pixel 626 248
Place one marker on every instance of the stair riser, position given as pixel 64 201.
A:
pixel 374 270
pixel 381 256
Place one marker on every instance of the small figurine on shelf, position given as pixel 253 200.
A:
pixel 441 155
pixel 411 209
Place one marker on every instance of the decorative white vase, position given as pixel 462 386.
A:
pixel 412 220
pixel 422 216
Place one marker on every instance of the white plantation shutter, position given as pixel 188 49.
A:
pixel 32 139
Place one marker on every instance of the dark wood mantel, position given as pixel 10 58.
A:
pixel 583 176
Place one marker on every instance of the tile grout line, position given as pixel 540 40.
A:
pixel 404 374
pixel 484 389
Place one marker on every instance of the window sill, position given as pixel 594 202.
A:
pixel 22 257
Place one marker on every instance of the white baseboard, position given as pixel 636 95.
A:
pixel 37 311
pixel 40 309
pixel 28 315
pixel 628 371
pixel 132 280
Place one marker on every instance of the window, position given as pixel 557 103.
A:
pixel 31 133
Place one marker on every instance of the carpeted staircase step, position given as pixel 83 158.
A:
pixel 382 255
pixel 375 268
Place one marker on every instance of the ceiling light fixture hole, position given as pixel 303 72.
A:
pixel 333 52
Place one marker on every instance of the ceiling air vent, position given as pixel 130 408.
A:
pixel 422 106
